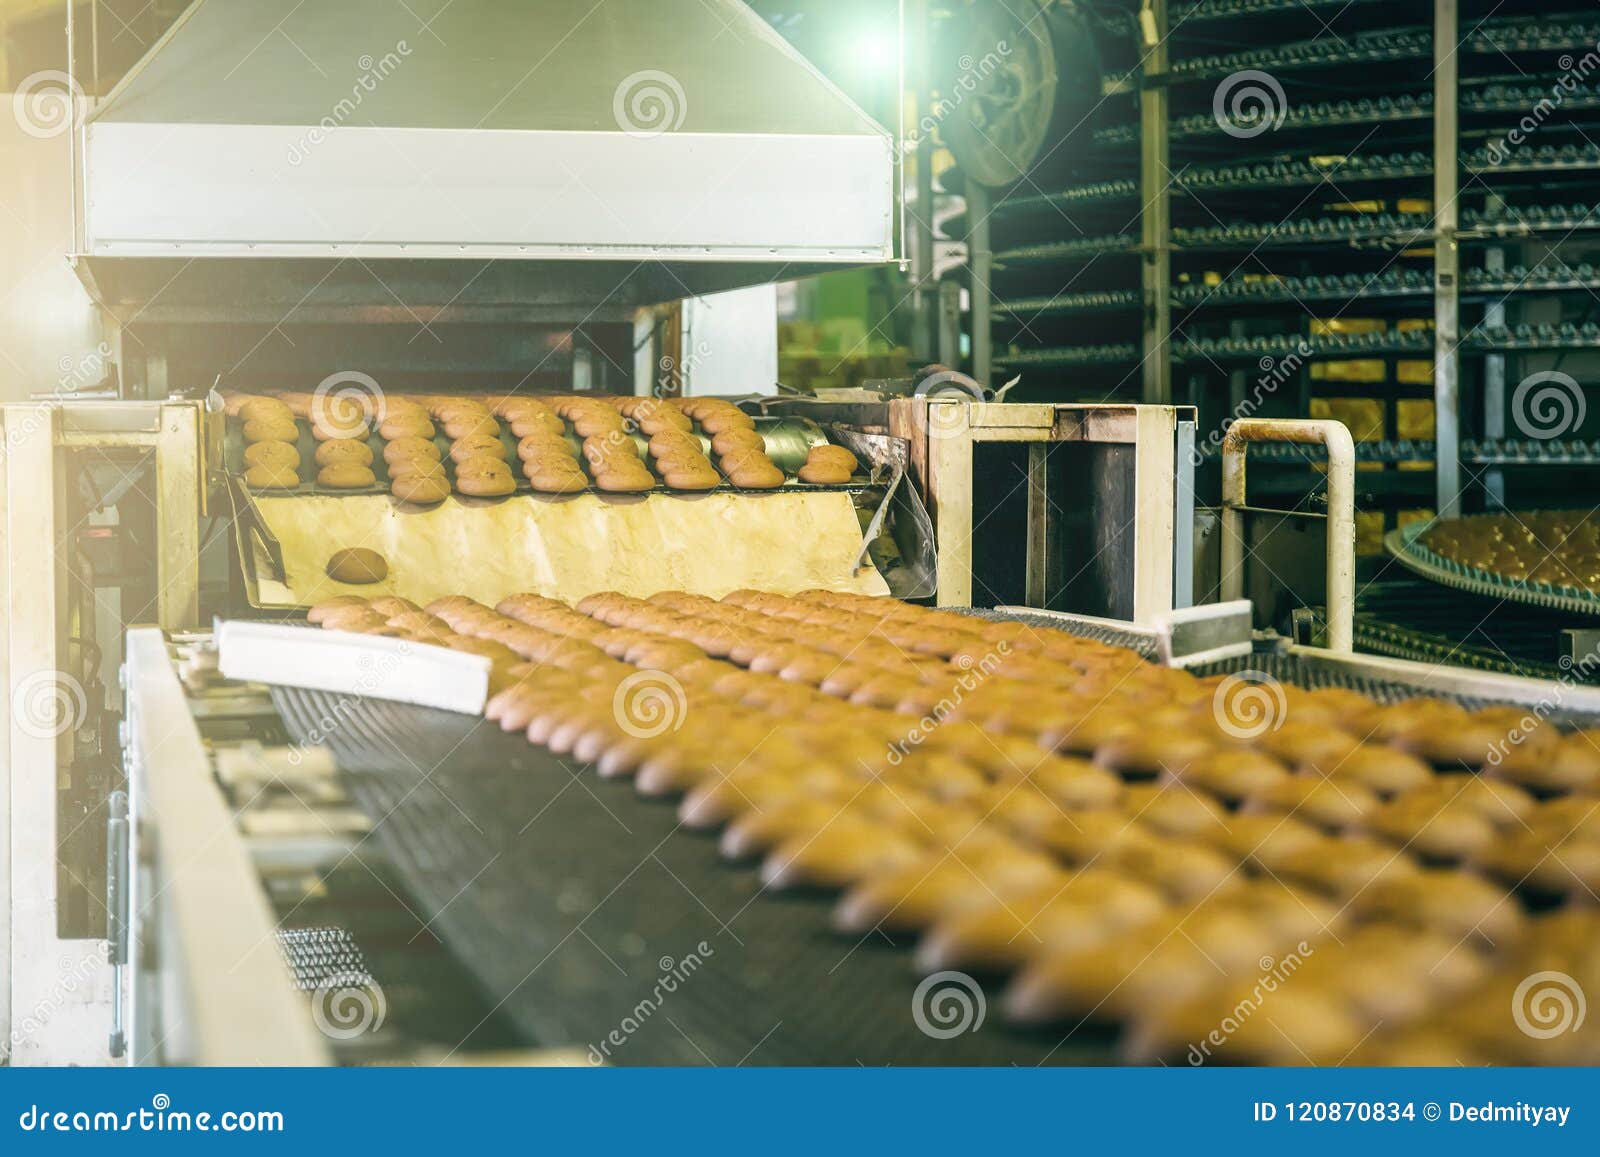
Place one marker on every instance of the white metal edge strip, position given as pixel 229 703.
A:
pixel 239 1007
pixel 350 664
pixel 697 196
pixel 1553 695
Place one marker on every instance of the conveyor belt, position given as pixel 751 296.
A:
pixel 581 907
pixel 570 897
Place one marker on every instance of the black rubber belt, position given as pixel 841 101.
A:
pixel 580 907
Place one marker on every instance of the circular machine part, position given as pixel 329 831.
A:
pixel 1015 78
pixel 1405 547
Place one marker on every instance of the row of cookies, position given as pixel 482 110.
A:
pixel 932 836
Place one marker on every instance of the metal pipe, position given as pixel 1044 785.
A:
pixel 1446 259
pixel 980 263
pixel 72 128
pixel 1155 199
pixel 1341 561
pixel 924 330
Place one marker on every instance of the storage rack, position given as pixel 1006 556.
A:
pixel 1499 247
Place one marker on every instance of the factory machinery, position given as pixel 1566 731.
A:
pixel 253 821
pixel 1251 216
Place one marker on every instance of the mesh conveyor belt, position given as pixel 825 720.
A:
pixel 570 898
pixel 563 893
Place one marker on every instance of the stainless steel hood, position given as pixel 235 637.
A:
pixel 545 154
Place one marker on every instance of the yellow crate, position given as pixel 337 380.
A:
pixel 1404 518
pixel 1414 419
pixel 1363 370
pixel 1369 533
pixel 1414 372
pixel 1325 327
pixel 1413 205
pixel 1413 324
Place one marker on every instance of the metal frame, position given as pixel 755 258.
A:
pixel 1341 518
pixel 208 984
pixel 33 629
pixel 942 433
pixel 1446 258
pixel 1155 218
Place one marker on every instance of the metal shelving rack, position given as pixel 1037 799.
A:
pixel 1496 261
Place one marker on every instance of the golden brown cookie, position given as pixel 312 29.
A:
pixel 486 485
pixel 477 445
pixel 344 452
pixel 335 605
pixel 258 408
pixel 276 455
pixel 465 425
pixel 823 474
pixel 410 447
pixel 271 430
pixel 357 565
pixel 271 478
pixel 406 424
pixel 706 479
pixel 735 439
pixel 346 477
pixel 422 489
pixel 549 481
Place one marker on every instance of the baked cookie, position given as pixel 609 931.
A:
pixel 344 452
pixel 357 565
pixel 477 445
pixel 271 478
pixel 346 476
pixel 422 489
pixel 408 447
pixel 277 455
pixel 271 430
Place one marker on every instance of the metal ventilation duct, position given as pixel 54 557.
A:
pixel 563 153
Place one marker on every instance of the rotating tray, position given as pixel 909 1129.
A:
pixel 1404 546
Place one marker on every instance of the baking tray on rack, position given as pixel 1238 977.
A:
pixel 1405 547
